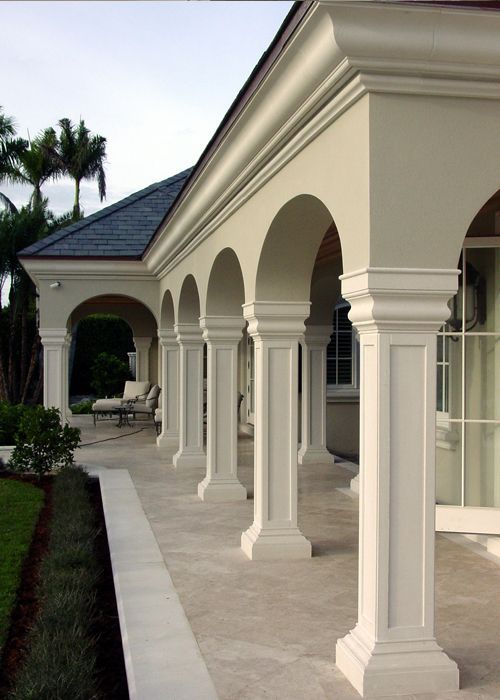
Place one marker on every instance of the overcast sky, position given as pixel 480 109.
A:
pixel 154 78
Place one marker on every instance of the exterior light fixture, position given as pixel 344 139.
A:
pixel 475 301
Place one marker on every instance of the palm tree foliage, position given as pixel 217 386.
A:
pixel 11 147
pixel 75 153
pixel 80 155
pixel 19 340
pixel 35 165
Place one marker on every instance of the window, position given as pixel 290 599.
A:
pixel 342 356
pixel 468 383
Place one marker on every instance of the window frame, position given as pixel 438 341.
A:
pixel 345 392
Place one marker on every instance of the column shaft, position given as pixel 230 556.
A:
pixel 142 346
pixel 169 397
pixel 392 649
pixel 190 451
pixel 55 369
pixel 276 329
pixel 222 335
pixel 313 440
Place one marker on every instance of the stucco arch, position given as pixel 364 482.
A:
pixel 485 223
pixel 226 289
pixel 188 309
pixel 167 311
pixel 290 248
pixel 325 282
pixel 134 312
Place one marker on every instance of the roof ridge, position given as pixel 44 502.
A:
pixel 106 211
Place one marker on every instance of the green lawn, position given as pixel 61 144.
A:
pixel 20 505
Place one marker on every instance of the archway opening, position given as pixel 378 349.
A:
pixel 108 333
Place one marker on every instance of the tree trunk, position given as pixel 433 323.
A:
pixel 24 348
pixel 35 349
pixel 76 205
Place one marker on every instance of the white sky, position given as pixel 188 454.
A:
pixel 154 78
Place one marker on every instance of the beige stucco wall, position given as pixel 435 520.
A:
pixel 342 427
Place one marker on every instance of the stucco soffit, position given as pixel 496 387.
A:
pixel 45 269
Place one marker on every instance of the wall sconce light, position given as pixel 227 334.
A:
pixel 55 285
pixel 475 301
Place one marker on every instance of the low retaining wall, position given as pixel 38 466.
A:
pixel 162 657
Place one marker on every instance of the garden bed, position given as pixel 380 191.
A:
pixel 65 639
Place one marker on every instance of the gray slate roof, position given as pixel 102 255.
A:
pixel 122 230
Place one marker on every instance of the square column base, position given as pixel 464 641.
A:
pixel 167 442
pixel 183 458
pixel 275 543
pixel 315 455
pixel 395 668
pixel 220 490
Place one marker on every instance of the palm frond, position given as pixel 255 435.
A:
pixel 8 204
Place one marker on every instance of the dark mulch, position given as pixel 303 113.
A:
pixel 112 675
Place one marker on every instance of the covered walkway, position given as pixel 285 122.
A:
pixel 267 629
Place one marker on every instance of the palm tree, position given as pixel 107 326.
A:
pixel 10 150
pixel 36 165
pixel 81 155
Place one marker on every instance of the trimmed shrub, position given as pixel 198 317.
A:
pixel 78 409
pixel 10 419
pixel 42 443
pixel 109 374
pixel 95 334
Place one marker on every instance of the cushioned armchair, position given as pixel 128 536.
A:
pixel 133 391
pixel 148 404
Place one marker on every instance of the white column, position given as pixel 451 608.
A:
pixel 276 329
pixel 169 397
pixel 66 372
pixel 142 346
pixel 55 343
pixel 190 451
pixel 313 443
pixel 222 334
pixel 392 650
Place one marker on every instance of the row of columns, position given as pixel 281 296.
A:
pixel 274 532
pixel 397 313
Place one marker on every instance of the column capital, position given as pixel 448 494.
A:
pixel 142 342
pixel 54 336
pixel 188 333
pixel 318 335
pixel 276 319
pixel 223 328
pixel 399 299
pixel 167 336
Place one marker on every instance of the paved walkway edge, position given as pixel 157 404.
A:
pixel 162 658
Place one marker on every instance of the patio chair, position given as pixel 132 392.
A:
pixel 133 391
pixel 148 405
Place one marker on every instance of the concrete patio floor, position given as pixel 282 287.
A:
pixel 268 629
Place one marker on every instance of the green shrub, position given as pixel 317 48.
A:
pixel 109 374
pixel 84 407
pixel 95 334
pixel 10 419
pixel 42 443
